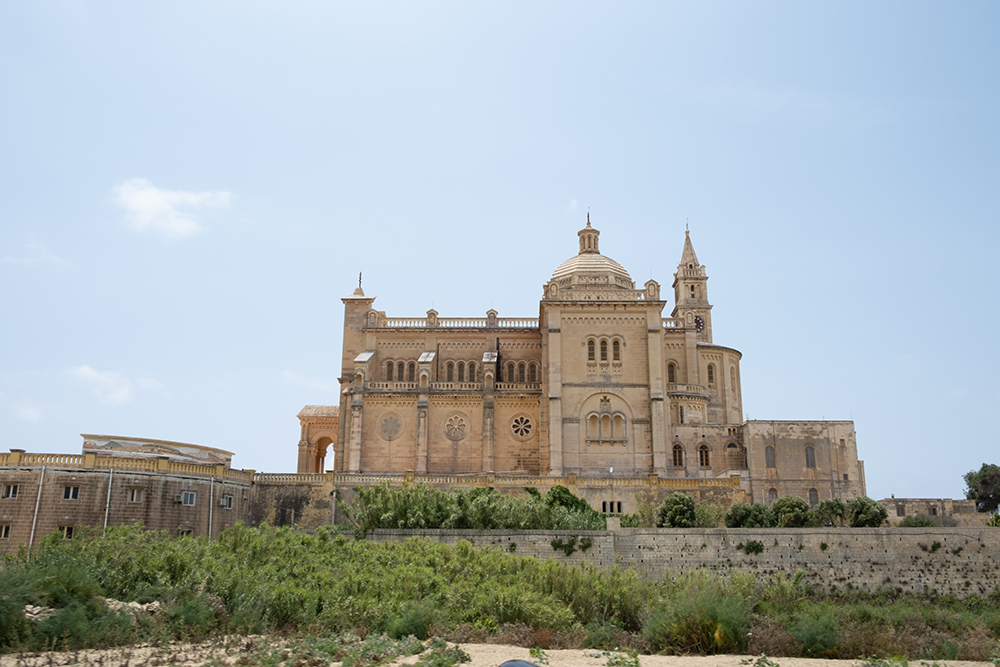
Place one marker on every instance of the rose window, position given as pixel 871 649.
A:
pixel 390 427
pixel 521 427
pixel 455 427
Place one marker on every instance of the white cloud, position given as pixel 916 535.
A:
pixel 110 387
pixel 35 254
pixel 318 384
pixel 572 205
pixel 28 413
pixel 170 213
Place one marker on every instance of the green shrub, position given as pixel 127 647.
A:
pixel 791 512
pixel 830 512
pixel 863 512
pixel 918 521
pixel 676 511
pixel 412 621
pixel 818 636
pixel 703 613
pixel 708 515
pixel 750 515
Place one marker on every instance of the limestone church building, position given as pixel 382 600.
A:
pixel 606 391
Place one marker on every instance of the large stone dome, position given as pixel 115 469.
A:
pixel 590 268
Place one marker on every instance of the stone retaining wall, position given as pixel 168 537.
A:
pixel 949 561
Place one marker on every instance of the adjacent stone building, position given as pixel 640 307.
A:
pixel 180 488
pixel 601 388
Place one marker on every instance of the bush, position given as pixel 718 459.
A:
pixel 830 512
pixel 818 636
pixel 413 621
pixel 707 515
pixel 677 511
pixel 750 515
pixel 791 512
pixel 702 613
pixel 918 521
pixel 863 512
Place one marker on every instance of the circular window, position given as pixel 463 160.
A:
pixel 456 426
pixel 390 426
pixel 522 427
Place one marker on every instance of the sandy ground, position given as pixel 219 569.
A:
pixel 483 655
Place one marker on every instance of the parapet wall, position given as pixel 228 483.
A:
pixel 948 561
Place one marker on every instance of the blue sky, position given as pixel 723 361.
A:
pixel 187 189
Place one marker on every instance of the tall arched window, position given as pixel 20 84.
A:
pixel 461 371
pixel 593 427
pixel 772 495
pixel 671 373
pixel 411 372
pixel 450 372
pixel 521 370
pixel 680 410
pixel 810 457
pixel 769 456
pixel 616 351
pixel 678 456
pixel 472 371
pixel 388 371
pixel 604 350
pixel 533 372
pixel 813 498
pixel 703 459
pixel 590 350
pixel 510 372
pixel 711 373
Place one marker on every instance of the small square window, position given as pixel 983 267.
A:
pixel 932 511
pixel 66 531
pixel 135 495
pixel 71 492
pixel 4 531
pixel 187 498
pixel 845 476
pixel 10 491
pixel 900 510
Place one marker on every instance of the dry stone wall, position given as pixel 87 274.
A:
pixel 948 561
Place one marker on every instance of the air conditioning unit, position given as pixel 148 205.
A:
pixel 222 502
pixel 178 498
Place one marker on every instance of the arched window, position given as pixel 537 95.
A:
pixel 616 351
pixel 680 409
pixel 590 350
pixel 703 459
pixel 388 371
pixel 813 498
pixel 604 507
pixel 769 456
pixel 593 428
pixel 521 369
pixel 671 373
pixel 604 350
pixel 618 427
pixel 810 457
pixel 472 371
pixel 711 373
pixel 450 372
pixel 605 427
pixel 533 372
pixel 678 456
pixel 411 372
pixel 461 371
pixel 772 495
pixel 510 372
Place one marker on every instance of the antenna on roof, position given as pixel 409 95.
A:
pixel 359 280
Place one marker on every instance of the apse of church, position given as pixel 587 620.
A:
pixel 600 385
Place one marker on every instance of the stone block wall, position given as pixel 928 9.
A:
pixel 948 561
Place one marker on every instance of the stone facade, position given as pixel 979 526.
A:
pixel 947 511
pixel 183 489
pixel 600 386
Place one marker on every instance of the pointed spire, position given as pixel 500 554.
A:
pixel 689 260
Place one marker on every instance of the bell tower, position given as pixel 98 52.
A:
pixel 691 293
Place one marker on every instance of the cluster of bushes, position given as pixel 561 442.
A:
pixel 679 510
pixel 264 580
pixel 418 506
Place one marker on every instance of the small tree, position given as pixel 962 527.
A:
pixel 791 512
pixel 984 487
pixel 708 515
pixel 831 512
pixel 677 511
pixel 750 515
pixel 863 512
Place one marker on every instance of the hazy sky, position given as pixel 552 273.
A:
pixel 187 189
